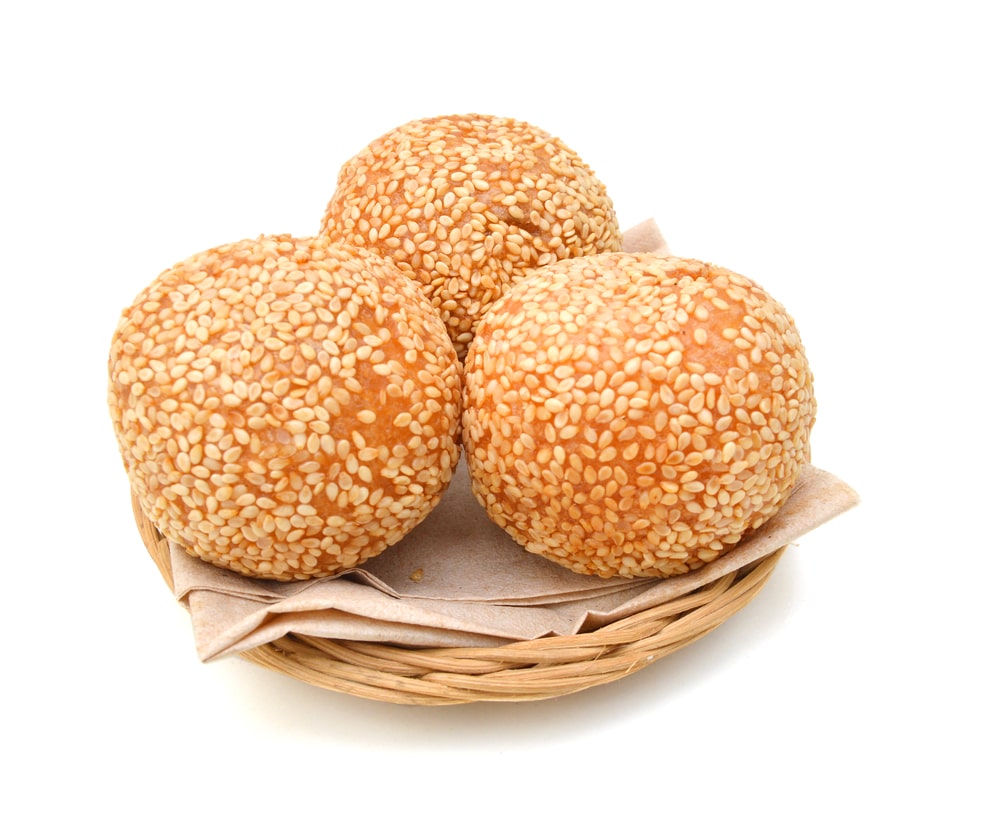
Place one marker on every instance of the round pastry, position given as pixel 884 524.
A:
pixel 285 408
pixel 466 204
pixel 635 415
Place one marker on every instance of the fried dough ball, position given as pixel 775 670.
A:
pixel 635 415
pixel 467 204
pixel 285 408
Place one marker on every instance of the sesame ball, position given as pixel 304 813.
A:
pixel 467 204
pixel 285 408
pixel 635 415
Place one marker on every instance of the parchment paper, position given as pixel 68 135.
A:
pixel 459 580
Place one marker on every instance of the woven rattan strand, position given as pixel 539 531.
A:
pixel 518 671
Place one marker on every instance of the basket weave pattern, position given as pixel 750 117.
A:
pixel 518 671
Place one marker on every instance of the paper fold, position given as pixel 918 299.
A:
pixel 477 587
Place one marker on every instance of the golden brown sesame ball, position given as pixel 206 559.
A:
pixel 285 408
pixel 466 204
pixel 635 415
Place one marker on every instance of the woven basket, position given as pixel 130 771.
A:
pixel 518 671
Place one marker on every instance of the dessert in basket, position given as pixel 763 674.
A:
pixel 625 426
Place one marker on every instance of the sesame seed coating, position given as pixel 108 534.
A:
pixel 285 408
pixel 467 204
pixel 633 414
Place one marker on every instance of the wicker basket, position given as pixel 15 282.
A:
pixel 518 671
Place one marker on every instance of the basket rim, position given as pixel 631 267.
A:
pixel 521 670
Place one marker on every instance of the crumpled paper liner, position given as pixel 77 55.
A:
pixel 458 580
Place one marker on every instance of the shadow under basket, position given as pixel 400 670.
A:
pixel 518 671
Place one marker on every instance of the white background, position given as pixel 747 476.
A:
pixel 844 155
